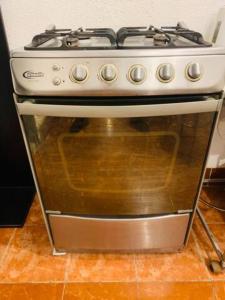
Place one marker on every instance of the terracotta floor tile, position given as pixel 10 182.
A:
pixel 29 258
pixel 100 291
pixel 184 266
pixel 101 268
pixel 35 215
pixel 205 246
pixel 212 195
pixel 219 290
pixel 31 291
pixel 175 291
pixel 5 235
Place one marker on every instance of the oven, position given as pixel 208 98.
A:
pixel 119 173
pixel 118 126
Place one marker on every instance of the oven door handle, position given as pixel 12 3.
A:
pixel 123 111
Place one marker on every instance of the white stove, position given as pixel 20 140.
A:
pixel 118 128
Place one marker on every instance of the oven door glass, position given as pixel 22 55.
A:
pixel 119 166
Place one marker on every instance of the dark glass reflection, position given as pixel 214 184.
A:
pixel 133 166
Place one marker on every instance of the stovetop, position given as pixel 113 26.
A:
pixel 178 36
pixel 134 61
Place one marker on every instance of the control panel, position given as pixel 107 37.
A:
pixel 118 76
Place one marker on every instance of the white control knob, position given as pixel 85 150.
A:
pixel 137 74
pixel 193 71
pixel 79 73
pixel 56 81
pixel 108 73
pixel 165 73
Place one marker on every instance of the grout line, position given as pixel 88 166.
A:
pixel 214 292
pixel 135 267
pixel 118 281
pixel 138 289
pixel 199 252
pixel 136 275
pixel 7 247
pixel 68 262
pixel 63 291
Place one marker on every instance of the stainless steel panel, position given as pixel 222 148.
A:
pixel 37 76
pixel 122 111
pixel 154 234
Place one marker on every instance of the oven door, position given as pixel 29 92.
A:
pixel 118 160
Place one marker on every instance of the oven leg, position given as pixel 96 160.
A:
pixel 56 253
pixel 215 266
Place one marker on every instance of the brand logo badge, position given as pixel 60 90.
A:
pixel 32 75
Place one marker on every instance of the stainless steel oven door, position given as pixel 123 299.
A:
pixel 125 160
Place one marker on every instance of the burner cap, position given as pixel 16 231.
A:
pixel 160 39
pixel 71 42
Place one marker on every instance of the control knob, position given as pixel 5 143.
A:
pixel 79 73
pixel 193 71
pixel 56 81
pixel 165 73
pixel 56 67
pixel 108 73
pixel 137 74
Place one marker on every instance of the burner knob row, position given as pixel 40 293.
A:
pixel 136 74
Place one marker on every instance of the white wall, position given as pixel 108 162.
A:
pixel 24 18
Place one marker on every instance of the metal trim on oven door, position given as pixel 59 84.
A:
pixel 28 107
pixel 219 107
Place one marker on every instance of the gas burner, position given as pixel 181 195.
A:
pixel 71 42
pixel 67 39
pixel 161 39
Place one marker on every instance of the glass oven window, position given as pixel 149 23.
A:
pixel 122 167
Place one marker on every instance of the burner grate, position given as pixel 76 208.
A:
pixel 126 38
pixel 151 32
pixel 181 30
pixel 70 40
pixel 165 37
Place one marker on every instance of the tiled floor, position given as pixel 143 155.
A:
pixel 29 271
